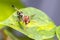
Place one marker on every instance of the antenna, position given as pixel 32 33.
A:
pixel 15 8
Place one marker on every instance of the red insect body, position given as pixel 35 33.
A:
pixel 20 14
pixel 26 19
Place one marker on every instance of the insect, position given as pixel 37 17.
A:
pixel 25 19
pixel 21 16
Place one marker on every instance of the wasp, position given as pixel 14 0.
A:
pixel 21 16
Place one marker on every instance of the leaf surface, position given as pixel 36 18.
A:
pixel 40 26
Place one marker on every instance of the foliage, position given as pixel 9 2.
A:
pixel 40 26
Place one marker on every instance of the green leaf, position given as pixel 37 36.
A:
pixel 58 32
pixel 40 26
pixel 6 10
